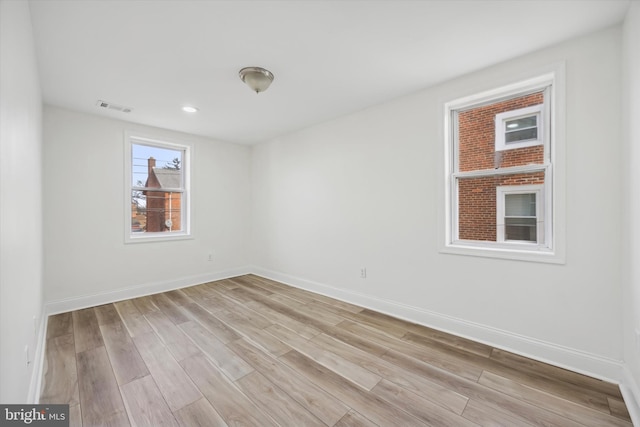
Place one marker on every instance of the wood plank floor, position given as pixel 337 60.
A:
pixel 249 351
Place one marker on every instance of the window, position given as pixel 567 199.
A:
pixel 157 193
pixel 520 214
pixel 519 128
pixel 499 167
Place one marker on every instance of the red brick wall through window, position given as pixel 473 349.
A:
pixel 476 151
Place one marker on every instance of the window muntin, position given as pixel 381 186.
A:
pixel 158 189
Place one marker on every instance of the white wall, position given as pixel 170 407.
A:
pixel 87 261
pixel 20 203
pixel 364 191
pixel 631 207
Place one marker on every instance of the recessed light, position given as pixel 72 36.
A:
pixel 189 109
pixel 512 125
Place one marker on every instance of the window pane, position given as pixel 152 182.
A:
pixel 477 204
pixel 161 169
pixel 523 229
pixel 520 205
pixel 521 123
pixel 521 135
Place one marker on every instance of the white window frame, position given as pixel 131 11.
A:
pixel 505 190
pixel 185 214
pixel 554 248
pixel 501 131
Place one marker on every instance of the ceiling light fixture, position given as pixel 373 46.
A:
pixel 257 78
pixel 189 109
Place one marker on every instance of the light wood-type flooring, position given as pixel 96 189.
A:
pixel 249 351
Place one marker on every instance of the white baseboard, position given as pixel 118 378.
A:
pixel 564 357
pixel 631 392
pixel 92 300
pixel 38 360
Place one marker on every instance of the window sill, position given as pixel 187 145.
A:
pixel 503 251
pixel 156 237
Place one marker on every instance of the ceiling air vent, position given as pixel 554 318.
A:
pixel 110 106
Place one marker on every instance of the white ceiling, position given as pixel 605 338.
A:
pixel 329 58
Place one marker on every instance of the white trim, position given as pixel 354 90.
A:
pixel 490 96
pixel 186 148
pixel 511 170
pixel 35 384
pixel 156 237
pixel 496 250
pixel 579 361
pixel 630 390
pixel 500 132
pixel 92 300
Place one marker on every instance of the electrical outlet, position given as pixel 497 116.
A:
pixel 210 257
pixel 363 273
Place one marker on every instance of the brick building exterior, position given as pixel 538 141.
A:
pixel 476 145
pixel 162 206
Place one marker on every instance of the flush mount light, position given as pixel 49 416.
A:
pixel 189 109
pixel 257 78
pixel 512 125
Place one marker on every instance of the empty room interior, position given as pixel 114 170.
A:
pixel 321 213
